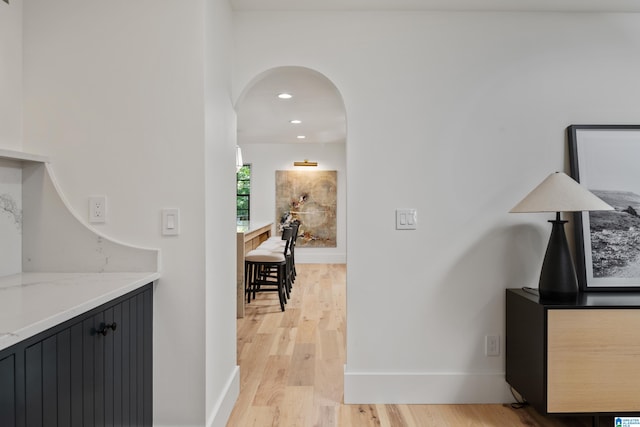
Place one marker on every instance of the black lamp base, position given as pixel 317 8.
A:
pixel 558 277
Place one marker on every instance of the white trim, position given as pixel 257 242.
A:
pixel 425 388
pixel 227 400
pixel 22 156
pixel 303 257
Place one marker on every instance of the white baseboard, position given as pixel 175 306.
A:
pixel 425 388
pixel 223 407
pixel 303 257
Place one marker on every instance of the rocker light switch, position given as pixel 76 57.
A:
pixel 170 222
pixel 406 219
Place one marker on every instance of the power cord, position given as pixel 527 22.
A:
pixel 532 291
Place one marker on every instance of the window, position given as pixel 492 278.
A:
pixel 243 199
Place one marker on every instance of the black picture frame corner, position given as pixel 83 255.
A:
pixel 602 158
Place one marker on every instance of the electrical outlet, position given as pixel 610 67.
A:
pixel 492 345
pixel 97 209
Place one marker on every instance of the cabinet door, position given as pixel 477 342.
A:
pixel 7 391
pixel 55 381
pixel 75 375
pixel 41 383
pixel 593 360
pixel 123 363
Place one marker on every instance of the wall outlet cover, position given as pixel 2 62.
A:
pixel 97 209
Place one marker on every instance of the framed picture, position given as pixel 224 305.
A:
pixel 311 198
pixel 606 160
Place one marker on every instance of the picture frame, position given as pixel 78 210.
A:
pixel 604 159
pixel 309 197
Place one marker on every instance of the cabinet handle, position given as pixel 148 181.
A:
pixel 104 328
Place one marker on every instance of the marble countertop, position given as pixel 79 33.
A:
pixel 31 303
pixel 249 226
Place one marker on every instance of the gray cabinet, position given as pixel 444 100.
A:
pixel 93 370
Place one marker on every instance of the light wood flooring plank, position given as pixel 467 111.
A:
pixel 292 367
pixel 297 409
pixel 273 382
pixel 284 341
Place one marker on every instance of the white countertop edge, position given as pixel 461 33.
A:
pixel 7 339
pixel 250 226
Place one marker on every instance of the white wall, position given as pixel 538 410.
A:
pixel 222 373
pixel 11 75
pixel 116 95
pixel 265 159
pixel 458 115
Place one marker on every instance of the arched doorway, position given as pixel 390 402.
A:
pixel 273 133
pixel 304 347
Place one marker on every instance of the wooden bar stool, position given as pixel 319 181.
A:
pixel 280 245
pixel 267 271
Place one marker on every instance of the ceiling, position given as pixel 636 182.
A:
pixel 263 118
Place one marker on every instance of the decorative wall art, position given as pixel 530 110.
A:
pixel 311 198
pixel 605 160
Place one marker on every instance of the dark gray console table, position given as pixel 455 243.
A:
pixel 575 358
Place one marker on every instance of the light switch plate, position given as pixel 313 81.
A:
pixel 170 221
pixel 406 219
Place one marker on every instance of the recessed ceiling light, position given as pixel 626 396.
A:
pixel 285 95
pixel 295 121
pixel 301 137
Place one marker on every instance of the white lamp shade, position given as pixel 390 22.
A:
pixel 560 193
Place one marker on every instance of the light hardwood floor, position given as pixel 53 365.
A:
pixel 291 369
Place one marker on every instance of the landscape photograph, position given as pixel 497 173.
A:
pixel 615 236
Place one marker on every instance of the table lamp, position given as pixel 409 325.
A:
pixel 559 193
